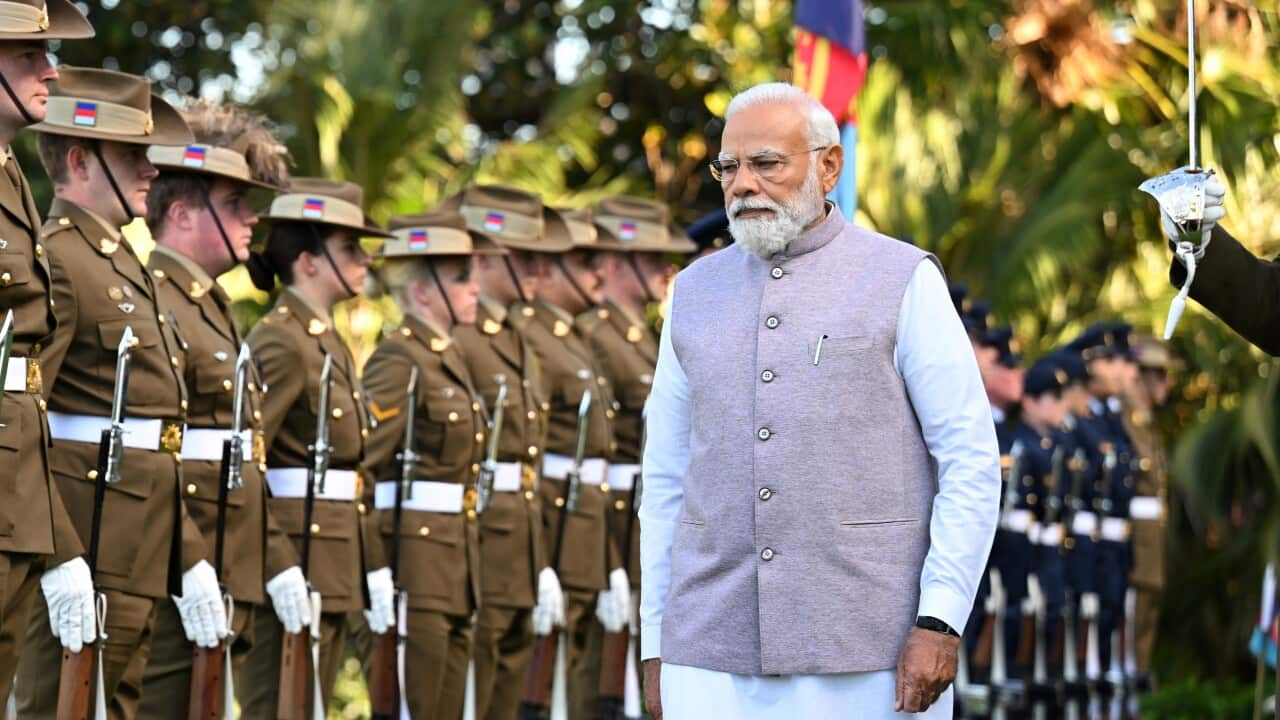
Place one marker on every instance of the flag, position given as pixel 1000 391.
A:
pixel 830 64
pixel 313 209
pixel 627 231
pixel 418 240
pixel 193 157
pixel 86 114
pixel 494 222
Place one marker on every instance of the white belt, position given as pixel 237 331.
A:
pixel 1115 529
pixel 1051 535
pixel 292 483
pixel 1146 507
pixel 206 443
pixel 508 476
pixel 1018 521
pixel 424 495
pixel 16 380
pixel 139 433
pixel 557 467
pixel 623 477
pixel 1084 523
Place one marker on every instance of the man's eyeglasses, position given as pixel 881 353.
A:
pixel 767 166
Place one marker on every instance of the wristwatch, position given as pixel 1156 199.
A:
pixel 932 623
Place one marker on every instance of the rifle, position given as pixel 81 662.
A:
pixel 295 647
pixel 385 670
pixel 489 469
pixel 536 697
pixel 77 677
pixel 6 349
pixel 612 689
pixel 212 691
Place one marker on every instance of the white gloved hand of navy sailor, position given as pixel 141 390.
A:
pixel 549 612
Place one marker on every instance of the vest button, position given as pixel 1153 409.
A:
pixel 767 376
pixel 766 554
pixel 765 493
pixel 764 434
pixel 776 273
pixel 771 322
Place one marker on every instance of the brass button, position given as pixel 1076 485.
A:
pixel 257 415
pixel 533 415
pixel 315 528
pixel 173 360
pixel 471 514
pixel 262 468
pixel 160 318
pixel 360 508
pixel 337 413
pixel 475 407
pixel 424 531
pixel 252 387
pixel 479 438
pixel 453 417
pixel 604 487
pixel 5 278
pixel 619 505
pixel 475 468
pixel 355 395
pixel 609 413
pixel 528 495
pixel 39 251
pixel 600 381
pixel 227 385
pixel 43 405
pixel 191 488
pixel 364 432
pixel 533 451
pixel 183 404
pixel 559 502
pixel 546 406
pixel 92 475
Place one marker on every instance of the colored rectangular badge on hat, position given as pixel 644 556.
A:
pixel 86 114
pixel 627 231
pixel 418 240
pixel 193 157
pixel 313 209
pixel 494 222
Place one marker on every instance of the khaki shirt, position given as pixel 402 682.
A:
pixel 289 345
pixel 1153 481
pixel 439 553
pixel 32 516
pixel 255 549
pixel 100 288
pixel 511 550
pixel 627 353
pixel 568 371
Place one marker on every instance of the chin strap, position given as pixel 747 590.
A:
pixel 444 295
pixel 13 97
pixel 644 286
pixel 324 249
pixel 515 279
pixel 573 283
pixel 96 146
pixel 217 221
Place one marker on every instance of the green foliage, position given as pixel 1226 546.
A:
pixel 1198 700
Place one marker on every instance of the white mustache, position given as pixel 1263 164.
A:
pixel 741 204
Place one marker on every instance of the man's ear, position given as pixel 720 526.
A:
pixel 179 215
pixel 78 162
pixel 830 163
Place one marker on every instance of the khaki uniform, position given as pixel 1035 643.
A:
pixel 627 353
pixel 511 552
pixel 568 370
pixel 147 538
pixel 1148 575
pixel 255 549
pixel 34 525
pixel 289 345
pixel 439 552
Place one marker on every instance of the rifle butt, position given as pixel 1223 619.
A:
pixel 613 665
pixel 75 684
pixel 982 654
pixel 295 672
pixel 1027 641
pixel 384 681
pixel 542 670
pixel 206 683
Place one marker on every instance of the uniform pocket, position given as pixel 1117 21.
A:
pixel 450 428
pixel 10 448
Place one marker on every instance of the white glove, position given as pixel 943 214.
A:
pixel 204 617
pixel 1214 192
pixel 1089 606
pixel 68 591
pixel 381 613
pixel 549 612
pixel 289 597
pixel 613 606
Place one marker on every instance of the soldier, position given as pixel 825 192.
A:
pixel 93 144
pixel 314 249
pixel 427 269
pixel 200 215
pixel 634 239
pixel 1143 398
pixel 591 570
pixel 515 575
pixel 38 546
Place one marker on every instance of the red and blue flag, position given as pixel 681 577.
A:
pixel 86 114
pixel 193 157
pixel 313 208
pixel 494 222
pixel 418 240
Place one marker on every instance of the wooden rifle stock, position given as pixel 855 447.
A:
pixel 206 683
pixel 75 683
pixel 384 683
pixel 1027 641
pixel 295 671
pixel 986 638
pixel 541 675
pixel 613 665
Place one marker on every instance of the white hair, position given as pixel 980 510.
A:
pixel 823 131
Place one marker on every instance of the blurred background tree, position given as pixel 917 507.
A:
pixel 1007 136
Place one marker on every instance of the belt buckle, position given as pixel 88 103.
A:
pixel 35 380
pixel 171 438
pixel 528 477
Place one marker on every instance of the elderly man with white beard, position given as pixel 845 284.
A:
pixel 821 478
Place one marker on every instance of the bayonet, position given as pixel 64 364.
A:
pixel 484 489
pixel 574 479
pixel 6 349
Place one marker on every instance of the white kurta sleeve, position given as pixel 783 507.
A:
pixel 936 362
pixel 666 459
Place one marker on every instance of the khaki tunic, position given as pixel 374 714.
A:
pixel 289 345
pixel 568 371
pixel 1149 571
pixel 627 353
